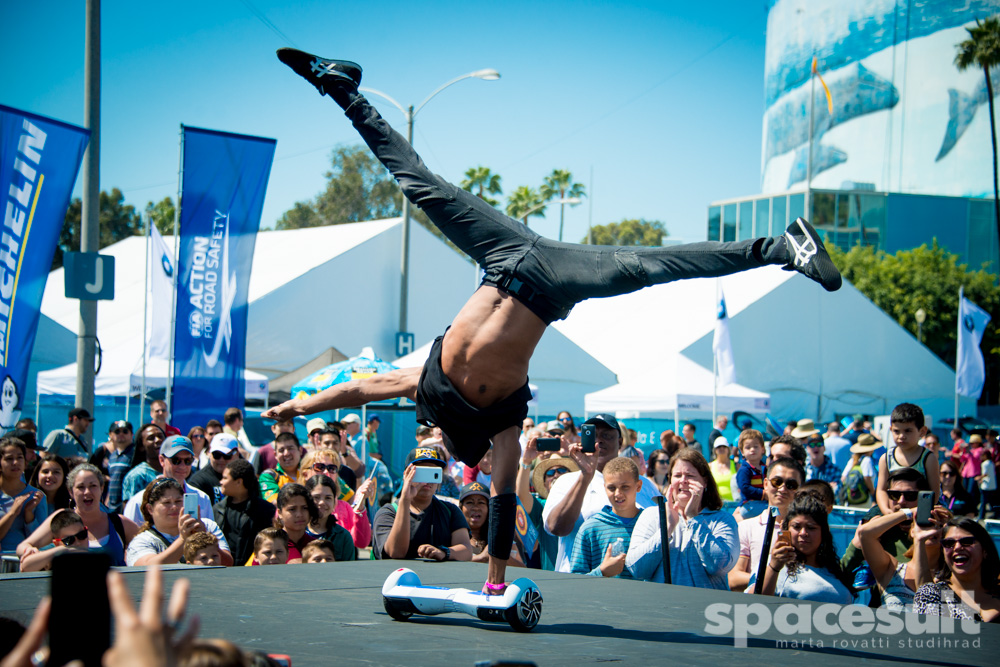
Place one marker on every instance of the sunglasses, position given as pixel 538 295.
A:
pixel 791 483
pixel 948 474
pixel 197 436
pixel 905 495
pixel 663 461
pixel 566 419
pixel 119 431
pixel 70 540
pixel 552 472
pixel 218 456
pixel 326 467
pixel 178 461
pixel 950 542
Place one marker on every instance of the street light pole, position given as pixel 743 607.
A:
pixel 410 114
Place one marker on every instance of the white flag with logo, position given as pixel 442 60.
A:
pixel 722 347
pixel 970 370
pixel 160 297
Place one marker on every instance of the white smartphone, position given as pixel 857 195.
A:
pixel 191 504
pixel 427 475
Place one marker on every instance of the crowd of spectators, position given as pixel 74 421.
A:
pixel 153 496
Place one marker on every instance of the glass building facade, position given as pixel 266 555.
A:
pixel 887 221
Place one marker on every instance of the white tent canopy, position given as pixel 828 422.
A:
pixel 686 387
pixel 121 375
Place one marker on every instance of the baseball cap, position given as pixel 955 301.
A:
pixel 351 419
pixel 418 454
pixel 178 443
pixel 473 489
pixel 223 443
pixel 605 419
pixel 80 413
pixel 119 423
pixel 315 424
pixel 374 418
pixel 25 436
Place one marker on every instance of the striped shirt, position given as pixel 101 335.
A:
pixel 592 541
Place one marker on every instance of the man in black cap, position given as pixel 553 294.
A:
pixel 68 442
pixel 474 383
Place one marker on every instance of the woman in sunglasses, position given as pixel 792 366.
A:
pixel 325 463
pixel 898 577
pixel 657 469
pixel 953 495
pixel 566 419
pixel 804 564
pixel 198 442
pixel 324 491
pixel 106 531
pixel 966 586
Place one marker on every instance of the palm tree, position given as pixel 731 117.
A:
pixel 559 185
pixel 485 181
pixel 525 202
pixel 982 49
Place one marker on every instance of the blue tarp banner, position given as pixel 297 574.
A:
pixel 39 161
pixel 224 180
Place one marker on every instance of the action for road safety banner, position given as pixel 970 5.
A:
pixel 224 181
pixel 39 160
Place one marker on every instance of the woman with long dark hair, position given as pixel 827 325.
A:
pixel 804 563
pixel 704 541
pixel 967 584
pixel 49 477
pixel 658 469
pixel 325 526
pixel 953 494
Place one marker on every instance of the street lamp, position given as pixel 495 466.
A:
pixel 920 316
pixel 410 113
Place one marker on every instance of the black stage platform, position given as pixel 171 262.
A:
pixel 332 614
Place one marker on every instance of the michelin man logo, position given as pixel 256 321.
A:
pixel 9 414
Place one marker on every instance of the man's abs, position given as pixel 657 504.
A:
pixel 486 351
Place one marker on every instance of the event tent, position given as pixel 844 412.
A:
pixel 817 354
pixel 683 389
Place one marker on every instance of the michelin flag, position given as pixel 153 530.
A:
pixel 970 370
pixel 39 161
pixel 224 180
pixel 722 347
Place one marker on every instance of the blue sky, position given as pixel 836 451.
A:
pixel 661 101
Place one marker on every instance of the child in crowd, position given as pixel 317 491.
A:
pixel 594 551
pixel 318 551
pixel 202 548
pixel 68 534
pixel 270 547
pixel 907 426
pixel 987 483
pixel 750 478
pixel 822 491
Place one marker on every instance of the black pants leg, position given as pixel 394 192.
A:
pixel 558 275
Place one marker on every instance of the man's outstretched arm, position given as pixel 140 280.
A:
pixel 395 384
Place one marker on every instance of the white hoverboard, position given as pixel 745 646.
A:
pixel 520 605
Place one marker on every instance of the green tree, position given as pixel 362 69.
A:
pixel 525 202
pixel 484 182
pixel 116 219
pixel 162 213
pixel 559 185
pixel 928 278
pixel 982 49
pixel 629 232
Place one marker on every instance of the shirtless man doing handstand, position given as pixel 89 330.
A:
pixel 474 384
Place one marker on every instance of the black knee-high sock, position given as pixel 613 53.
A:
pixel 503 509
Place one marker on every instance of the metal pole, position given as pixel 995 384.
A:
pixel 90 223
pixel 177 253
pixel 664 539
pixel 715 370
pixel 809 161
pixel 145 318
pixel 958 315
pixel 405 259
pixel 590 206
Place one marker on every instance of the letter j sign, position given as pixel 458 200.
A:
pixel 89 276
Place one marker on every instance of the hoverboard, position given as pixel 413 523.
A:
pixel 520 605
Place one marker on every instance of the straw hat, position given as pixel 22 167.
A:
pixel 804 429
pixel 866 444
pixel 555 461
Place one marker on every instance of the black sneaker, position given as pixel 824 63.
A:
pixel 808 256
pixel 325 74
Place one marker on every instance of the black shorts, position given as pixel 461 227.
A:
pixel 468 427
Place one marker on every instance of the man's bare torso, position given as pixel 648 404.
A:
pixel 486 351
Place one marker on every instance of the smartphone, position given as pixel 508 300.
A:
pixel 588 438
pixel 74 635
pixel 548 444
pixel 427 475
pixel 784 537
pixel 191 504
pixel 925 502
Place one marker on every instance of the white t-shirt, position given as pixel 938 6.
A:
pixel 133 509
pixel 989 473
pixel 752 532
pixel 148 542
pixel 595 499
